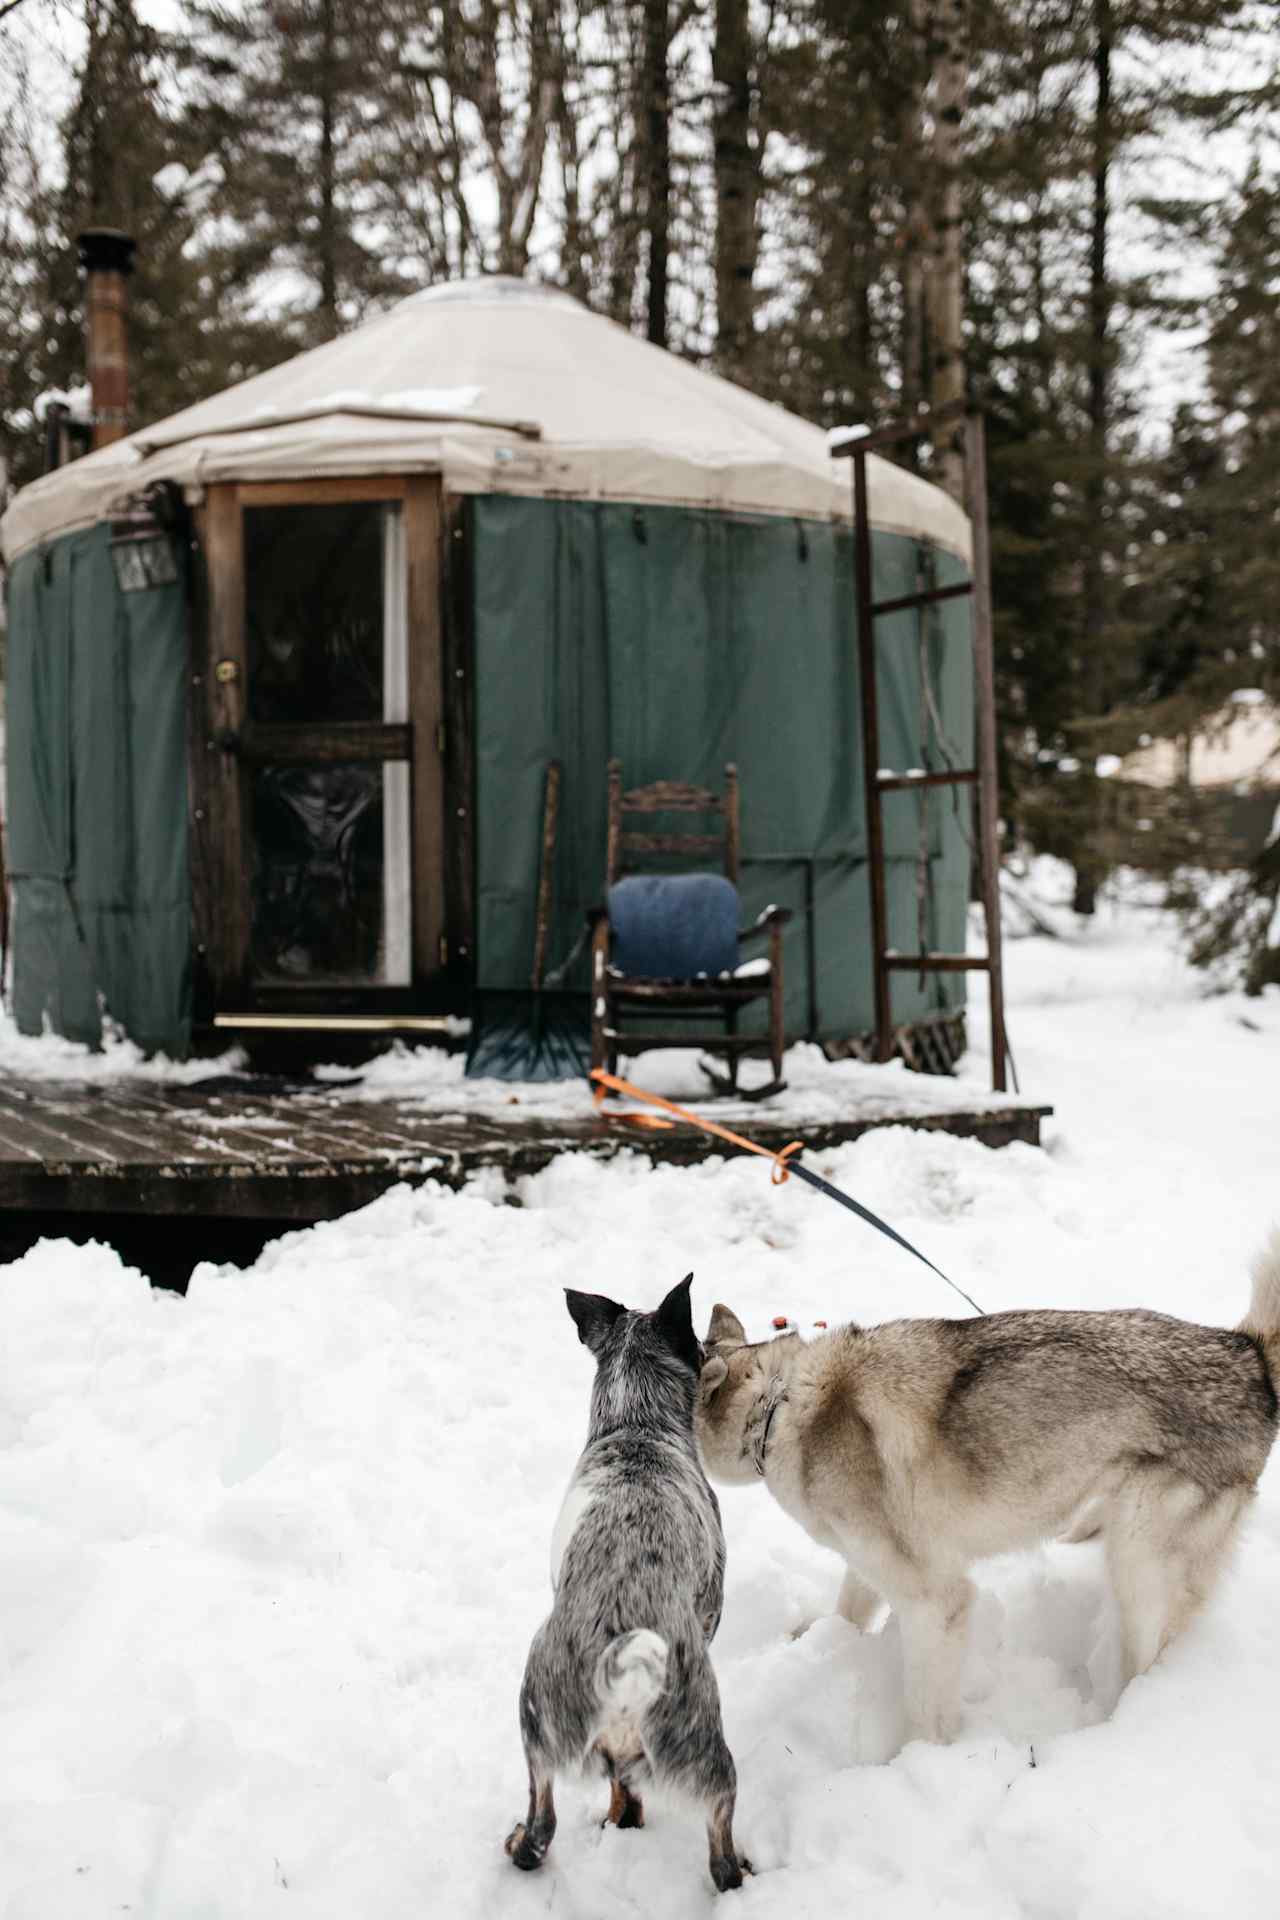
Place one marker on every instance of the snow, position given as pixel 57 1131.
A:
pixel 170 180
pixel 433 399
pixel 273 1554
pixel 77 400
pixel 431 1081
pixel 48 1056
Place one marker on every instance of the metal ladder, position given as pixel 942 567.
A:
pixel 885 959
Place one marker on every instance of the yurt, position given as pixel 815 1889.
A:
pixel 287 670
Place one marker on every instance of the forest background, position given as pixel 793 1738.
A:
pixel 1066 210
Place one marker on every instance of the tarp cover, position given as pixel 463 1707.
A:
pixel 443 382
pixel 679 641
pixel 96 803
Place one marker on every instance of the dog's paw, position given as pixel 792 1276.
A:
pixel 727 1871
pixel 522 1850
pixel 626 1809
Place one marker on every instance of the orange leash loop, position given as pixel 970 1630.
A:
pixel 611 1081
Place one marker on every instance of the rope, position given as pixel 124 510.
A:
pixel 783 1158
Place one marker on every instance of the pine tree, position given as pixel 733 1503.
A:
pixel 22 199
pixel 119 141
pixel 284 101
pixel 839 232
pixel 1067 99
pixel 1244 375
pixel 1230 630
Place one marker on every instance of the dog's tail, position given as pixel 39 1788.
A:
pixel 1263 1317
pixel 630 1674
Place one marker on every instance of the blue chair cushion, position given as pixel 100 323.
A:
pixel 674 926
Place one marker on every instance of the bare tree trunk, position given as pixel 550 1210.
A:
pixel 328 237
pixel 576 243
pixel 861 347
pixel 950 60
pixel 737 186
pixel 1099 401
pixel 1089 872
pixel 913 239
pixel 656 81
pixel 516 159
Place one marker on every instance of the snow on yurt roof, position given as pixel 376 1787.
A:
pixel 500 386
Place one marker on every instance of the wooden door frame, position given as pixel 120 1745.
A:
pixel 217 721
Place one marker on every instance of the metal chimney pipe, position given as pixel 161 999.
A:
pixel 107 258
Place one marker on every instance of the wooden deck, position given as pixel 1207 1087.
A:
pixel 239 1150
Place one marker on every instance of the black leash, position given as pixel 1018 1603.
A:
pixel 874 1220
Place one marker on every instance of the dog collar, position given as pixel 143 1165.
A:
pixel 774 1398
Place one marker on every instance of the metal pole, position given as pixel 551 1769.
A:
pixel 107 258
pixel 871 753
pixel 988 777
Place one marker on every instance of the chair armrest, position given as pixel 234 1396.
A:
pixel 771 917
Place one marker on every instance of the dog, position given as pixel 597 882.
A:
pixel 618 1674
pixel 917 1447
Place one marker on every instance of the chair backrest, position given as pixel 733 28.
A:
pixel 672 796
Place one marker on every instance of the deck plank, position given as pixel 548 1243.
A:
pixel 293 1156
pixel 59 1135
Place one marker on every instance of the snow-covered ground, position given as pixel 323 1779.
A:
pixel 271 1556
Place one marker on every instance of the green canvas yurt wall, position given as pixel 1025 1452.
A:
pixel 673 638
pixel 679 640
pixel 96 805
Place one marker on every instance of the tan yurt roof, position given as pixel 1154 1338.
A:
pixel 500 386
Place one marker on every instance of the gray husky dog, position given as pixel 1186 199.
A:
pixel 917 1447
pixel 618 1675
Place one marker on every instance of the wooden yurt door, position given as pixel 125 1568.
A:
pixel 317 790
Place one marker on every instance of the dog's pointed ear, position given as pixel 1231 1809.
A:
pixel 674 1321
pixel 726 1329
pixel 593 1316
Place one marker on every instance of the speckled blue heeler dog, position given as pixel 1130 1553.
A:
pixel 618 1675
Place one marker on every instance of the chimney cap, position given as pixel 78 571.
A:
pixel 106 249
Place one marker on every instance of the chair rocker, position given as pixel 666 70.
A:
pixel 663 950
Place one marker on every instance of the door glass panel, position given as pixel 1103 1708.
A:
pixel 329 874
pixel 314 611
pixel 326 621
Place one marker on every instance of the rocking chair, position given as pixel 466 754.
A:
pixel 665 947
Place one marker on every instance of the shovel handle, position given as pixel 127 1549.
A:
pixel 550 823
